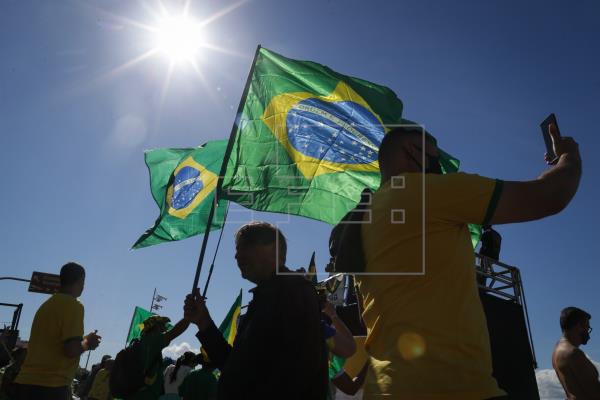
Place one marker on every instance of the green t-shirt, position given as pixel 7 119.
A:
pixel 199 385
pixel 151 349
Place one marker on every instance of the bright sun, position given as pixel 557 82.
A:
pixel 179 38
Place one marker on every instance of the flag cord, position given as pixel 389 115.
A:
pixel 234 129
pixel 212 265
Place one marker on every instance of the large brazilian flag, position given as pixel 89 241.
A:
pixel 183 183
pixel 307 139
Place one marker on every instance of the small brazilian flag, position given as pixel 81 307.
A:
pixel 137 323
pixel 183 183
pixel 229 325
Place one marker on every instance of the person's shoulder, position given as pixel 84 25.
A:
pixel 60 304
pixel 565 354
pixel 65 300
pixel 291 281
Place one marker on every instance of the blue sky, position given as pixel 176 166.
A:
pixel 73 127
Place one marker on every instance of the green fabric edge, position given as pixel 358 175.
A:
pixel 493 202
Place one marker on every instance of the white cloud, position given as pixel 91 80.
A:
pixel 175 350
pixel 549 386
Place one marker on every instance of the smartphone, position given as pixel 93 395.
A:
pixel 551 119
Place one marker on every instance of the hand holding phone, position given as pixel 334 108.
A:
pixel 557 145
pixel 551 135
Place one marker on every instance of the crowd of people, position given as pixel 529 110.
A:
pixel 426 338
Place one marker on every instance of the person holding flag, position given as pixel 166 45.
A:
pixel 281 327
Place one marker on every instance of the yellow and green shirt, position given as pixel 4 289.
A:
pixel 60 318
pixel 427 333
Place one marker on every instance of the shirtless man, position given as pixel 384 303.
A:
pixel 577 374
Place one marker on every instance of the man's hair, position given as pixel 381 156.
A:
pixel 571 316
pixel 261 233
pixel 70 273
pixel 388 149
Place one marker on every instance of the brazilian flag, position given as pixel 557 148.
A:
pixel 307 139
pixel 137 323
pixel 229 325
pixel 183 184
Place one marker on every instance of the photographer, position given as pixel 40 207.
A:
pixel 427 332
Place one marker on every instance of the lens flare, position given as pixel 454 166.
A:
pixel 411 346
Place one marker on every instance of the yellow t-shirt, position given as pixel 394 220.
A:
pixel 100 387
pixel 58 319
pixel 427 333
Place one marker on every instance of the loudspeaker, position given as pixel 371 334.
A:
pixel 512 357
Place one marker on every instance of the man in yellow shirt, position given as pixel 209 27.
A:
pixel 56 341
pixel 427 333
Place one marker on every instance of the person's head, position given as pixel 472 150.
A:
pixel 401 151
pixel 105 358
pixel 72 279
pixel 154 324
pixel 260 249
pixel 204 361
pixel 188 358
pixel 108 364
pixel 575 325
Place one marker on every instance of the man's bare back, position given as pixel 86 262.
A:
pixel 576 373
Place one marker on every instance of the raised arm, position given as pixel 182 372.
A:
pixel 343 341
pixel 212 340
pixel 177 330
pixel 547 195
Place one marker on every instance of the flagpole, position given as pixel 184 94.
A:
pixel 153 296
pixel 232 134
pixel 212 265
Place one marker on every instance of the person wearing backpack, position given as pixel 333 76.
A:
pixel 138 371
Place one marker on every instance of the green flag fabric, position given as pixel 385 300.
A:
pixel 137 323
pixel 229 325
pixel 183 183
pixel 307 139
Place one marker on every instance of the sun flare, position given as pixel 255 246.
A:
pixel 179 38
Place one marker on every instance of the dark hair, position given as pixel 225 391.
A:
pixel 185 359
pixel 388 146
pixel 571 316
pixel 70 273
pixel 261 233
